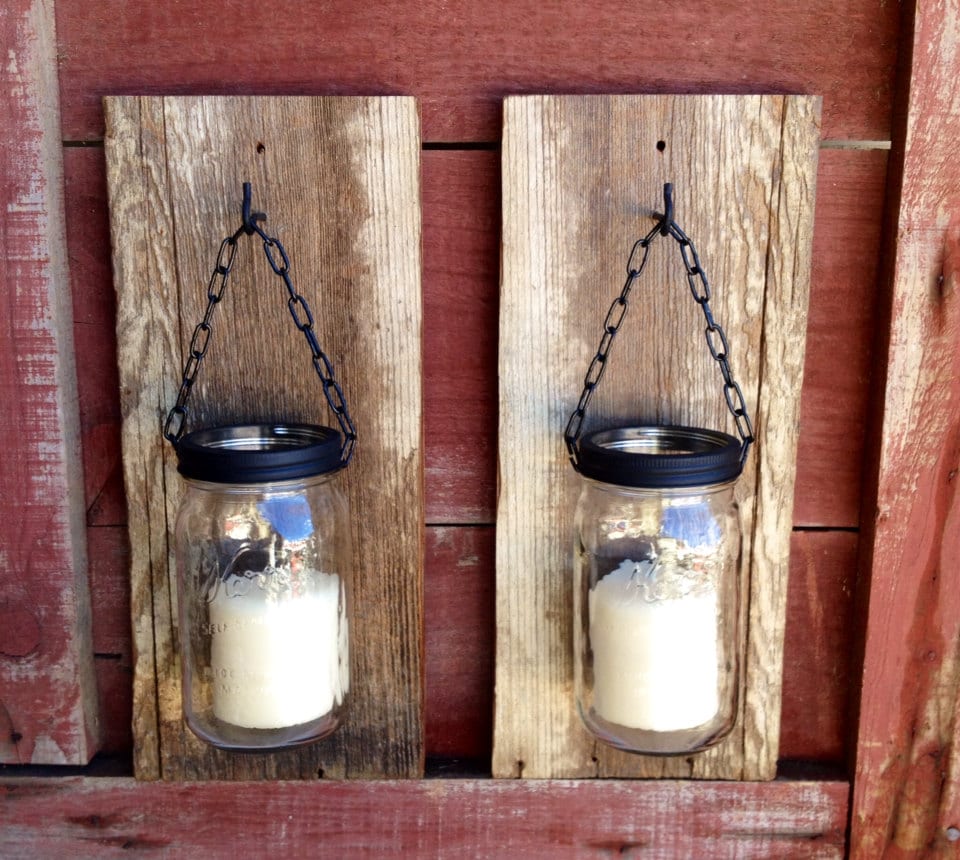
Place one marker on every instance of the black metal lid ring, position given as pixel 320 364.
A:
pixel 659 457
pixel 256 453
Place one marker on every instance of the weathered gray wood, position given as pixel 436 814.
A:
pixel 581 177
pixel 48 694
pixel 338 178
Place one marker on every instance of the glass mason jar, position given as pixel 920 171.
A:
pixel 656 592
pixel 263 560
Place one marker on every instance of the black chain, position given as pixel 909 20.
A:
pixel 302 317
pixel 715 336
pixel 611 325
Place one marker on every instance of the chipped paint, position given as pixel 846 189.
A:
pixel 49 692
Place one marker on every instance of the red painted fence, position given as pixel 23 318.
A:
pixel 894 624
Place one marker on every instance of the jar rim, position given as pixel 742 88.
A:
pixel 258 453
pixel 659 457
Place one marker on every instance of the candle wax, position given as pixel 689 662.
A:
pixel 655 662
pixel 278 661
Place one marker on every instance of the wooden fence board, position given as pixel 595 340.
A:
pixel 581 175
pixel 115 693
pixel 907 748
pixel 109 554
pixel 458 603
pixel 460 61
pixel 906 800
pixel 461 257
pixel 94 333
pixel 48 709
pixel 840 333
pixel 338 178
pixel 815 722
pixel 106 817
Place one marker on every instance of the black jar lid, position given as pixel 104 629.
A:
pixel 258 453
pixel 659 457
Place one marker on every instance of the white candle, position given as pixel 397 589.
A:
pixel 278 660
pixel 655 663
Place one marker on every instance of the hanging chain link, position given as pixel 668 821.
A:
pixel 715 336
pixel 200 342
pixel 716 339
pixel 611 325
pixel 299 310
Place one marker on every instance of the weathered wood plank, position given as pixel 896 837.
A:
pixel 782 353
pixel 109 551
pixel 94 333
pixel 580 175
pixel 433 818
pixel 840 335
pixel 815 722
pixel 458 641
pixel 152 569
pixel 461 256
pixel 460 62
pixel 48 708
pixel 339 180
pixel 115 691
pixel 906 800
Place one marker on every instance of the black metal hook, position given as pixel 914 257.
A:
pixel 250 219
pixel 667 219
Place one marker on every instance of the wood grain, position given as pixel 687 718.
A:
pixel 115 693
pixel 815 719
pixel 461 255
pixel 581 176
pixel 339 181
pixel 109 553
pixel 834 404
pixel 48 707
pixel 94 333
pixel 425 818
pixel 460 61
pixel 906 802
pixel 782 353
pixel 458 639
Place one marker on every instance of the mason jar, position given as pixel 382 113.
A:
pixel 263 560
pixel 656 588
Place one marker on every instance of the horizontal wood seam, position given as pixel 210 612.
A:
pixel 494 145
